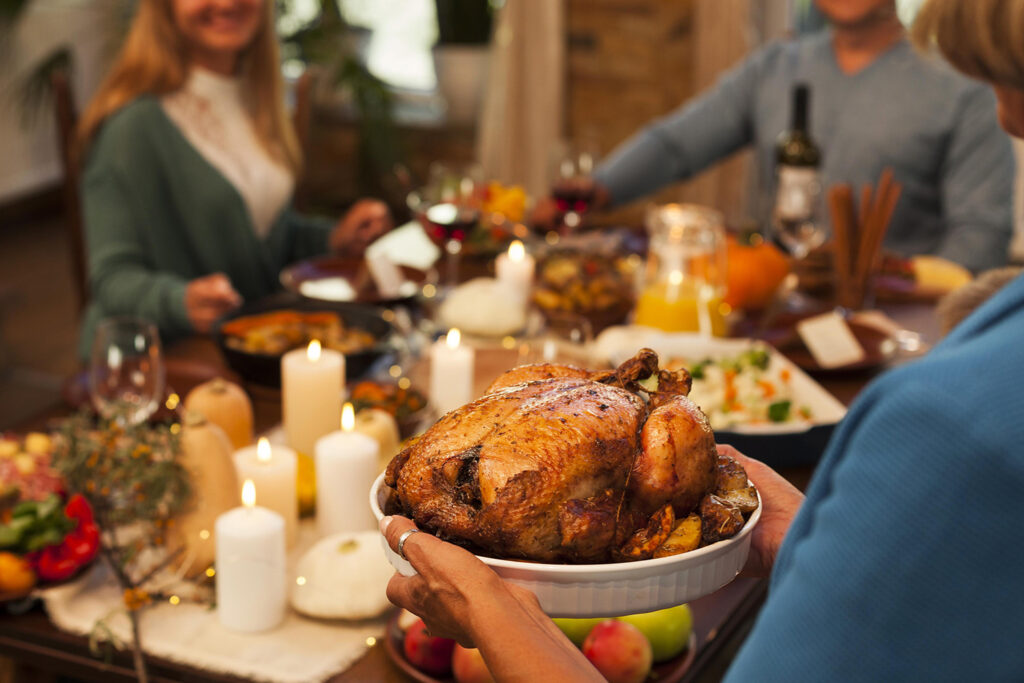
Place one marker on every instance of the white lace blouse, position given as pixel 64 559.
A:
pixel 211 113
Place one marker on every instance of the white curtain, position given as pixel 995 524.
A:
pixel 523 109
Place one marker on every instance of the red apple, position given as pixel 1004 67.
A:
pixel 619 651
pixel 426 652
pixel 468 666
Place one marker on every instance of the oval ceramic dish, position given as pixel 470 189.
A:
pixel 608 590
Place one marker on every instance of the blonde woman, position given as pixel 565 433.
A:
pixel 190 163
pixel 903 563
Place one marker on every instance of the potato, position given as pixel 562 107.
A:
pixel 684 538
pixel 729 474
pixel 745 499
pixel 647 540
pixel 719 519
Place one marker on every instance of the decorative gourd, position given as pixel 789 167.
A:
pixel 207 455
pixel 226 405
pixel 755 270
pixel 380 426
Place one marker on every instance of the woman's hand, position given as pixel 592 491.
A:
pixel 451 584
pixel 208 298
pixel 460 597
pixel 780 502
pixel 367 220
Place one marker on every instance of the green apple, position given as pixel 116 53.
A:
pixel 577 629
pixel 667 629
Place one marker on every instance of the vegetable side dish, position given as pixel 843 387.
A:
pixel 275 332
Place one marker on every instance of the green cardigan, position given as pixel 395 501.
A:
pixel 157 215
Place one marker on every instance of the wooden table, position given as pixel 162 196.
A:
pixel 721 620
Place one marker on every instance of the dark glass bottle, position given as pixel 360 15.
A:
pixel 798 186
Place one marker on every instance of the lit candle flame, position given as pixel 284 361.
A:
pixel 263 449
pixel 313 350
pixel 516 251
pixel 248 493
pixel 348 418
pixel 453 338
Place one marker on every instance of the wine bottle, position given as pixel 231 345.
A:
pixel 797 181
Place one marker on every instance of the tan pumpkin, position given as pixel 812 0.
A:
pixel 207 455
pixel 226 405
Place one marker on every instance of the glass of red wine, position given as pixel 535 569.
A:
pixel 449 209
pixel 573 184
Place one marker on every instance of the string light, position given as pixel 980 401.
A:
pixel 371 641
pixel 301 580
pixel 172 401
pixel 174 600
pixel 204 534
pixel 211 572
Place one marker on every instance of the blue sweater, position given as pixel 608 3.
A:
pixel 935 128
pixel 904 563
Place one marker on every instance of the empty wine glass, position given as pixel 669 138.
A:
pixel 126 371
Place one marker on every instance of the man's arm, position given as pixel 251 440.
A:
pixel 895 569
pixel 694 136
pixel 977 186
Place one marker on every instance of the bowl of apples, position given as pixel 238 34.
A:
pixel 656 646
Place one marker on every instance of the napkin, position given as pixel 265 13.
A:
pixel 406 245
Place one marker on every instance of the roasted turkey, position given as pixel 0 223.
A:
pixel 558 464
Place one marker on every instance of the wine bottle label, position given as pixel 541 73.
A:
pixel 798 188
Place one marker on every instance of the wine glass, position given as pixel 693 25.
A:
pixel 798 227
pixel 449 208
pixel 573 183
pixel 126 370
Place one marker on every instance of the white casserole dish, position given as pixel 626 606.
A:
pixel 606 590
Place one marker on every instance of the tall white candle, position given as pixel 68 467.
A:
pixel 312 380
pixel 273 471
pixel 515 269
pixel 451 373
pixel 251 578
pixel 346 466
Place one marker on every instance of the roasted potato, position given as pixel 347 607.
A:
pixel 745 499
pixel 684 538
pixel 648 539
pixel 719 519
pixel 729 474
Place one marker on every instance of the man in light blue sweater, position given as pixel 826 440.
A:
pixel 874 103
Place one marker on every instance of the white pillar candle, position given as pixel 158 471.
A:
pixel 451 373
pixel 251 578
pixel 273 470
pixel 515 270
pixel 346 466
pixel 312 380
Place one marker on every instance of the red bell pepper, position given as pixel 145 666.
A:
pixel 55 563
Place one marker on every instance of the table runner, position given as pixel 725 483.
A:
pixel 300 650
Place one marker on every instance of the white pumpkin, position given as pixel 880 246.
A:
pixel 343 576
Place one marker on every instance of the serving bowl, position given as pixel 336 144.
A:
pixel 265 368
pixel 614 589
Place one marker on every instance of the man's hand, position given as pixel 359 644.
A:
pixel 208 298
pixel 367 220
pixel 780 502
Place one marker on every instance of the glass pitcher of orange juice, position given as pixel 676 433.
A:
pixel 685 278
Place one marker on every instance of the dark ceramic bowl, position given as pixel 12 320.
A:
pixel 265 368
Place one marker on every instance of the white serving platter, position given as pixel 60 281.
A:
pixel 617 344
pixel 607 590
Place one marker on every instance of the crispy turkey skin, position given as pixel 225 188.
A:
pixel 560 465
